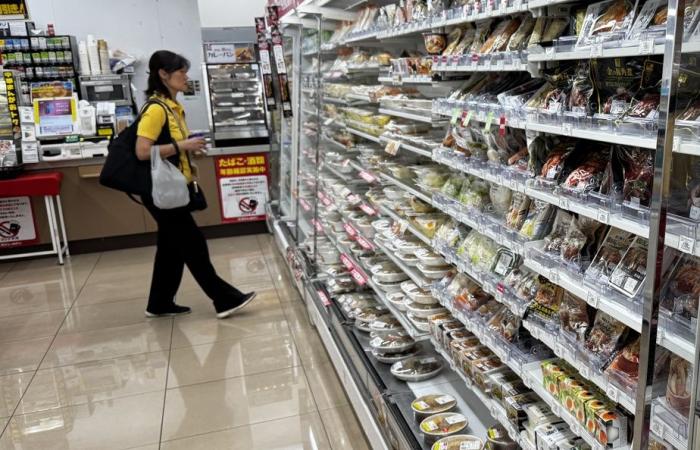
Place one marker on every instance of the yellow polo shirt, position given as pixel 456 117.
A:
pixel 153 120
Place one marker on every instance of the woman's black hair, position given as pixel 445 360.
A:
pixel 169 62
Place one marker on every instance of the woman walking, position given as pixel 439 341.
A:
pixel 180 241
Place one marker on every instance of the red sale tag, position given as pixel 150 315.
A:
pixel 475 57
pixel 317 224
pixel 350 230
pixel 368 177
pixel 357 276
pixel 304 204
pixel 346 162
pixel 364 243
pixel 368 209
pixel 347 262
pixel 502 126
pixel 324 298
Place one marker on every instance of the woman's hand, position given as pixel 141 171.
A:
pixel 192 145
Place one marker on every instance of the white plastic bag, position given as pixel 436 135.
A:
pixel 169 184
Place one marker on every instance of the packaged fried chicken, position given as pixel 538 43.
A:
pixel 498 40
pixel 652 15
pixel 638 166
pixel 555 239
pixel 545 305
pixel 629 275
pixel 604 338
pixel 538 220
pixel 518 41
pixel 573 317
pixel 609 19
pixel 680 384
pixel 609 256
pixel 505 324
pixel 519 207
pixel 683 288
pixel 483 29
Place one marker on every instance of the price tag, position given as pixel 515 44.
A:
pixel 503 6
pixel 567 129
pixel 517 4
pixel 502 126
pixel 613 393
pixel 317 225
pixel 549 52
pixel 499 64
pixel 354 199
pixel 305 205
pixel 686 244
pixel 657 427
pixel 350 230
pixel 563 203
pixel 559 350
pixel 368 177
pixel 357 276
pixel 556 410
pixel 364 243
pixel 676 144
pixel 392 147
pixel 347 262
pixel 585 371
pixel 489 121
pixel 328 121
pixel 345 162
pixel 403 226
pixel 603 216
pixel 646 46
pixel 596 50
pixel 455 115
pixel 396 78
pixel 467 119
pixel 368 209
pixel 592 298
pixel 324 298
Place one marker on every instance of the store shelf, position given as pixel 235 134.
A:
pixel 384 210
pixel 409 147
pixel 615 50
pixel 362 134
pixel 474 64
pixel 593 135
pixel 309 112
pixel 333 142
pixel 410 189
pixel 426 117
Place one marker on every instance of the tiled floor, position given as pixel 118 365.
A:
pixel 81 368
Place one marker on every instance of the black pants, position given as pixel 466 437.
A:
pixel 180 243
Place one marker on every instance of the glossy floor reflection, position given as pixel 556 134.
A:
pixel 81 368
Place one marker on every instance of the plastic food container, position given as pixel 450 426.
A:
pixel 391 358
pixel 429 258
pixel 428 405
pixel 388 287
pixel 392 342
pixel 459 442
pixel 434 272
pixel 385 323
pixel 440 426
pixel 388 273
pixel 417 294
pixel 422 311
pixel 419 322
pixel 398 299
pixel 418 368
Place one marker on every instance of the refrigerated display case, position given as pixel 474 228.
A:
pixel 507 175
pixel 236 99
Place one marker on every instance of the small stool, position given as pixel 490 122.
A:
pixel 47 185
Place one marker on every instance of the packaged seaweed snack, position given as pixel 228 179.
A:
pixel 629 275
pixel 609 255
pixel 573 317
pixel 604 338
pixel 683 288
pixel 609 19
pixel 539 219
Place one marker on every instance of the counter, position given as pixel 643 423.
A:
pixel 94 212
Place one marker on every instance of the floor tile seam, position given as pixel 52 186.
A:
pixel 218 380
pixel 262 333
pixel 262 422
pixel 250 338
pixel 74 405
pixel 303 365
pixel 13 264
pixel 167 376
pixel 81 363
pixel 49 347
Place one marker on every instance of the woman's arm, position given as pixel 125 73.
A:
pixel 143 149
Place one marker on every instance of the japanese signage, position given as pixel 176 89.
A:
pixel 265 66
pixel 13 9
pixel 278 54
pixel 12 105
pixel 243 186
pixel 223 53
pixel 16 222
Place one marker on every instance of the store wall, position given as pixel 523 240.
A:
pixel 138 27
pixel 230 13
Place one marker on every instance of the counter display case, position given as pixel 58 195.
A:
pixel 236 99
pixel 509 190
